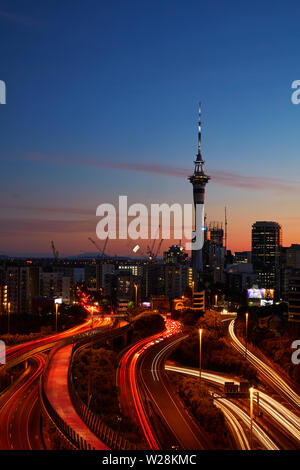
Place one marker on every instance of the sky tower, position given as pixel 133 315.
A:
pixel 199 180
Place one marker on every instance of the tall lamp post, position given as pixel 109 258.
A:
pixel 136 294
pixel 56 313
pixel 8 317
pixel 251 390
pixel 200 356
pixel 246 335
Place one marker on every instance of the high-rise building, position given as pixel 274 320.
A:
pixel 175 255
pixel 165 279
pixel 214 253
pixel 293 256
pixel 126 288
pixel 55 284
pixel 242 257
pixel 103 268
pixel 177 278
pixel 294 296
pixel 266 244
pixel 199 181
pixel 289 262
pixel 22 286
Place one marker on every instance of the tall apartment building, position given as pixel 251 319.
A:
pixel 214 253
pixel 266 244
pixel 22 286
pixel 55 284
pixel 175 255
pixel 294 296
pixel 103 268
pixel 126 283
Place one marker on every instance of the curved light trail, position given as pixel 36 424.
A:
pixel 264 369
pixel 130 394
pixel 284 417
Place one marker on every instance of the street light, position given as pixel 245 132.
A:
pixel 200 357
pixel 135 292
pixel 56 312
pixel 246 335
pixel 251 415
pixel 8 317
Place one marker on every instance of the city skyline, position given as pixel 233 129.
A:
pixel 80 134
pixel 149 236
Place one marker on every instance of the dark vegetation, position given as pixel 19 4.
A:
pixel 217 354
pixel 146 324
pixel 25 324
pixel 94 374
pixel 273 339
pixel 94 378
pixel 8 376
pixel 200 403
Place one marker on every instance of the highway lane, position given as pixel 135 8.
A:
pixel 237 430
pixel 132 399
pixel 25 350
pixel 20 412
pixel 186 433
pixel 281 418
pixel 18 427
pixel 147 396
pixel 269 374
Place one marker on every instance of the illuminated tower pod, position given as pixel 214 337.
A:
pixel 199 180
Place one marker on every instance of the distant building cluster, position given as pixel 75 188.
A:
pixel 28 286
pixel 267 274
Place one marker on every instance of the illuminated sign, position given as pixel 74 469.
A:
pixel 255 293
pixel 146 304
pixel 260 293
pixel 58 300
pixel 264 303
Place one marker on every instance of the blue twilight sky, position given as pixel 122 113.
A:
pixel 102 100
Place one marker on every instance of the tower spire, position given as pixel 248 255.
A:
pixel 199 156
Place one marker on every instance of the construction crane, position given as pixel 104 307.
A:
pixel 55 252
pixel 158 248
pixel 150 251
pixel 101 251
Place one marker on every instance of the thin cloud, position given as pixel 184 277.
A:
pixel 230 179
pixel 47 210
pixel 22 225
pixel 17 18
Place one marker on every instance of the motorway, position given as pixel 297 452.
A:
pixel 278 419
pixel 271 377
pixel 148 397
pixel 20 411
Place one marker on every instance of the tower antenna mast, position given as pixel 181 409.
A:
pixel 225 227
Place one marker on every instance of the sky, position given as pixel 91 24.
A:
pixel 102 100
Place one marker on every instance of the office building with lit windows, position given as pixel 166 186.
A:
pixel 266 244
